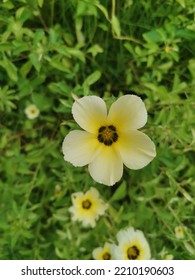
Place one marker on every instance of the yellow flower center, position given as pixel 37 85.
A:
pixel 106 256
pixel 132 253
pixel 86 204
pixel 107 135
pixel 167 49
pixel 32 111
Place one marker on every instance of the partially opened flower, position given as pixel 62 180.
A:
pixel 102 253
pixel 179 232
pixel 32 112
pixel 132 245
pixel 87 207
pixel 109 140
pixel 168 257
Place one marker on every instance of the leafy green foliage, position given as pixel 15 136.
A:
pixel 51 49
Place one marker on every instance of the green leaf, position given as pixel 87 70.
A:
pixel 38 36
pixel 191 67
pixel 182 3
pixel 153 36
pixel 120 193
pixel 91 79
pixel 42 101
pixel 77 53
pixel 6 47
pixel 25 69
pixel 95 49
pixel 116 25
pixel 10 69
pixel 59 65
pixel 40 3
pixel 185 34
pixel 34 58
pixel 165 66
pixel 103 10
pixel 20 47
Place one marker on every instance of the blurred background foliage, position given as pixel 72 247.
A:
pixel 50 49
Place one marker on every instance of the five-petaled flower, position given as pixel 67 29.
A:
pixel 103 253
pixel 179 232
pixel 132 245
pixel 110 139
pixel 87 207
pixel 32 111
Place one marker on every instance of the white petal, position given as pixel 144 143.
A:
pixel 100 208
pixel 89 221
pixel 90 113
pixel 128 112
pixel 128 238
pixel 115 252
pixel 97 253
pixel 93 193
pixel 107 167
pixel 80 147
pixel 125 235
pixel 136 149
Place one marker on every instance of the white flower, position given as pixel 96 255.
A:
pixel 179 232
pixel 32 112
pixel 109 140
pixel 87 207
pixel 164 254
pixel 132 245
pixel 168 257
pixel 102 253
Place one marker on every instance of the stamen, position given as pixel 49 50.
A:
pixel 115 137
pixel 86 204
pixel 101 129
pixel 101 138
pixel 133 253
pixel 108 142
pixel 107 135
pixel 111 127
pixel 106 256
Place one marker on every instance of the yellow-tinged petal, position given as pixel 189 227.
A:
pixel 80 147
pixel 102 253
pixel 179 232
pixel 90 113
pixel 97 253
pixel 107 166
pixel 128 112
pixel 77 199
pixel 134 241
pixel 136 149
pixel 92 192
pixel 87 207
pixel 32 112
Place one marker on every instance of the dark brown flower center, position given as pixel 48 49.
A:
pixel 132 253
pixel 106 256
pixel 107 135
pixel 86 204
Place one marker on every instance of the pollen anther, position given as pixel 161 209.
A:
pixel 132 253
pixel 107 135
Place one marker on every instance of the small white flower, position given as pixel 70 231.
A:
pixel 168 257
pixel 164 254
pixel 32 112
pixel 87 207
pixel 132 245
pixel 109 140
pixel 179 232
pixel 102 253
